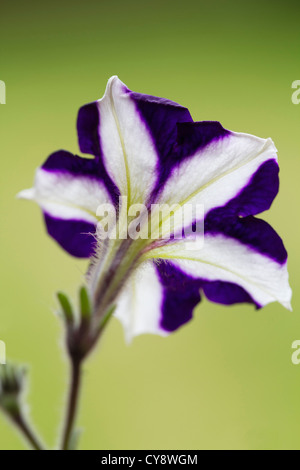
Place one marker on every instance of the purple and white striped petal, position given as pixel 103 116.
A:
pixel 69 189
pixel 229 170
pixel 114 130
pixel 243 264
pixel 163 119
pixel 157 299
pixel 247 253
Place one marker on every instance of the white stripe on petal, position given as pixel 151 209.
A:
pixel 217 173
pixel 139 304
pixel 65 196
pixel 225 259
pixel 26 194
pixel 129 153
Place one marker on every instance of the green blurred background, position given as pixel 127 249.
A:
pixel 226 380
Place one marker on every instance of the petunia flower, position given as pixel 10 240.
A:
pixel 148 150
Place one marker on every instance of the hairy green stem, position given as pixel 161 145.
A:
pixel 72 403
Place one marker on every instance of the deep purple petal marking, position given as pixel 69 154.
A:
pixel 226 293
pixel 234 218
pixel 258 195
pixel 88 129
pixel 195 136
pixel 251 231
pixel 65 162
pixel 74 236
pixel 161 117
pixel 181 293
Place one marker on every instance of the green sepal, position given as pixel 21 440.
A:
pixel 66 307
pixel 85 303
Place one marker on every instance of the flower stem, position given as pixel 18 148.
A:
pixel 27 432
pixel 72 403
